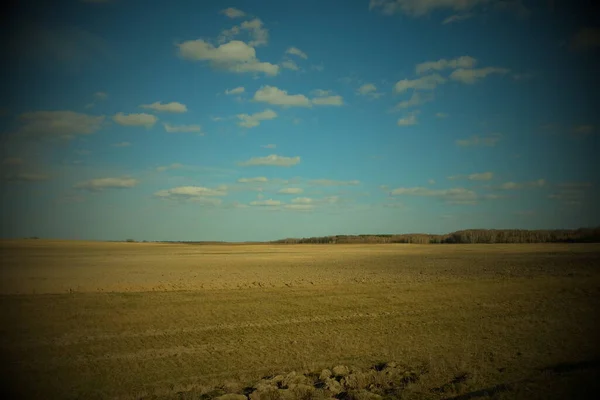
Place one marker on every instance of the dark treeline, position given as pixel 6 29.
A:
pixel 581 235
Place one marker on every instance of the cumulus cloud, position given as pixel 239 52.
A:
pixel 291 190
pixel 122 144
pixel 237 90
pixel 266 203
pixel 331 182
pixel 101 95
pixel 471 76
pixel 370 90
pixel 303 200
pixel 407 121
pixel 457 18
pixel 297 52
pixel 523 185
pixel 483 176
pixel 428 82
pixel 328 101
pixel 57 124
pixel 172 107
pixel 141 119
pixel 299 207
pixel 454 195
pixel 441 64
pixel 232 12
pixel 289 64
pixel 418 8
pixel 234 56
pixel 276 96
pixel 168 167
pixel 441 115
pixel 258 33
pixel 272 160
pixel 268 146
pixel 488 141
pixel 416 99
pixel 181 128
pixel 261 179
pixel 253 120
pixel 194 193
pixel 100 184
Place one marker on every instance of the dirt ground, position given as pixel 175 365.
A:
pixel 133 320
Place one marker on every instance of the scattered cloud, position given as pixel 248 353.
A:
pixel 234 56
pixel 416 99
pixel 457 18
pixel 428 82
pixel 57 124
pixel 297 52
pixel 290 190
pixel 407 121
pixel 299 207
pixel 233 12
pixel 101 95
pixel 483 176
pixel 441 115
pixel 273 160
pixel 107 183
pixel 431 181
pixel 441 64
pixel 266 203
pixel 473 141
pixel 196 194
pixel 331 182
pixel 471 76
pixel 289 64
pixel 169 167
pixel 260 179
pixel 268 146
pixel 370 90
pixel 276 96
pixel 172 107
pixel 258 33
pixel 122 144
pixel 253 120
pixel 141 119
pixel 523 185
pixel 418 8
pixel 303 200
pixel 587 38
pixel 237 90
pixel 328 101
pixel 453 196
pixel 181 128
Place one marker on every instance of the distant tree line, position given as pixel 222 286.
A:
pixel 581 235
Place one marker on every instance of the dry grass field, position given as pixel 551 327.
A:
pixel 135 320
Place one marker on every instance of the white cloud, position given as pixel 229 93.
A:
pixel 273 160
pixel 416 99
pixel 471 76
pixel 418 8
pixel 101 95
pixel 122 144
pixel 236 90
pixel 431 181
pixel 182 128
pixel 142 119
pixel 454 195
pixel 266 203
pixel 258 33
pixel 289 64
pixel 253 120
pixel 191 192
pixel 303 200
pixel 483 176
pixel 234 56
pixel 291 190
pixel 268 146
pixel 61 124
pixel 233 12
pixel 276 96
pixel 489 140
pixel 457 18
pixel 407 121
pixel 107 183
pixel 331 182
pixel 172 107
pixel 253 180
pixel 523 185
pixel 299 207
pixel 369 89
pixel 428 82
pixel 328 101
pixel 168 167
pixel 297 52
pixel 441 115
pixel 441 64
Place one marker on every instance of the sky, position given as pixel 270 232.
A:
pixel 261 120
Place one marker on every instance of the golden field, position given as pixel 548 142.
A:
pixel 143 320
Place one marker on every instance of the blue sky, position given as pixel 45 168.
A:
pixel 259 120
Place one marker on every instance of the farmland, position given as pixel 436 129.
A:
pixel 137 320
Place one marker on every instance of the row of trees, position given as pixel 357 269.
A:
pixel 582 235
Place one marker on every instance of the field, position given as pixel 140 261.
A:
pixel 141 320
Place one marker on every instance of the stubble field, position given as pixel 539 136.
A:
pixel 137 320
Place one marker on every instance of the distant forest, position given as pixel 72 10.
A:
pixel 581 235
